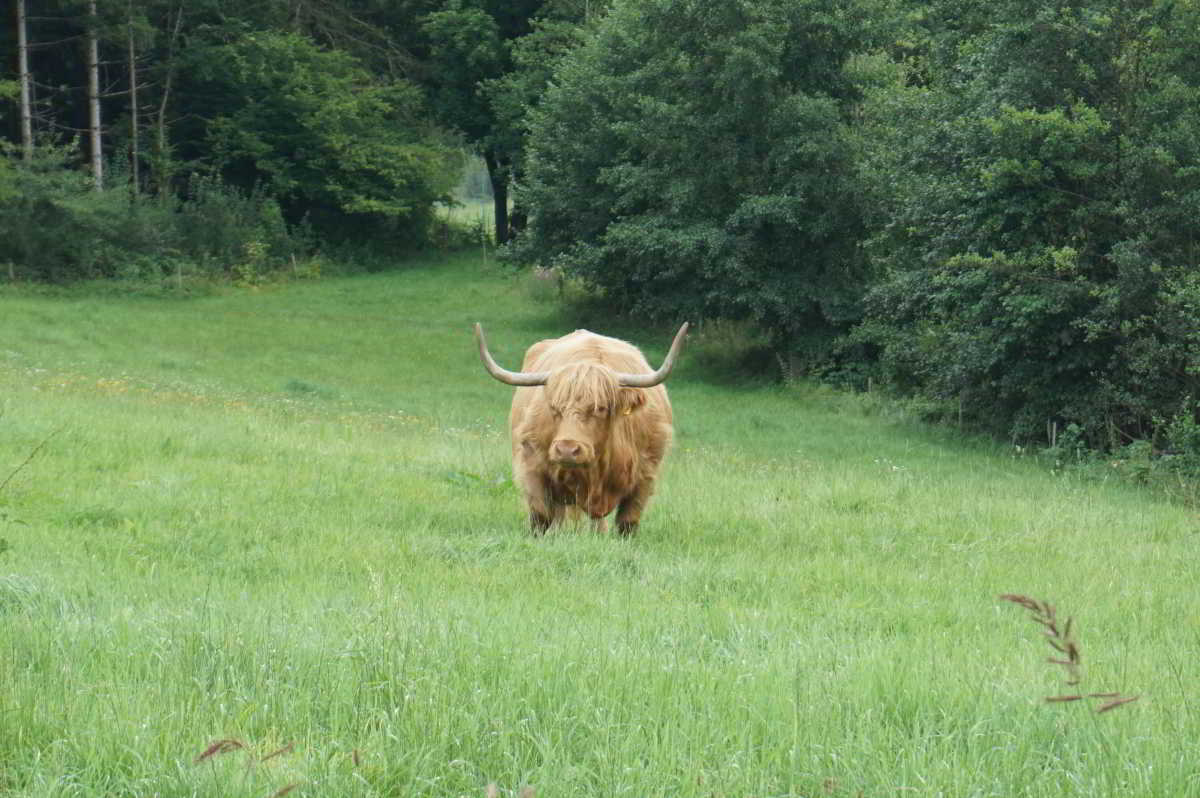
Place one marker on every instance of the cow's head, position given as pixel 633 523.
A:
pixel 583 399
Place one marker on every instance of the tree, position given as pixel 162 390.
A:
pixel 95 131
pixel 516 93
pixel 466 44
pixel 24 79
pixel 1038 237
pixel 314 129
pixel 8 179
pixel 161 163
pixel 695 160
pixel 137 29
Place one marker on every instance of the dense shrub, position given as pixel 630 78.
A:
pixel 694 160
pixel 54 226
pixel 1036 238
pixel 313 129
pixel 217 224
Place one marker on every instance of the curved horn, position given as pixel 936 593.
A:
pixel 650 380
pixel 518 378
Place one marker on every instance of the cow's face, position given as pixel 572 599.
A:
pixel 584 401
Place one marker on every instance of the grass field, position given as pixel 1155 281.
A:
pixel 266 543
pixel 472 215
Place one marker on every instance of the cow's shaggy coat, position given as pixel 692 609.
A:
pixel 583 440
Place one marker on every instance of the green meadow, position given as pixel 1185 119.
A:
pixel 266 542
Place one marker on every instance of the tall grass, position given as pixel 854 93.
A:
pixel 266 543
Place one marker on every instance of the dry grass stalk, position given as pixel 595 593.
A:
pixel 228 744
pixel 217 747
pixel 1116 702
pixel 1061 640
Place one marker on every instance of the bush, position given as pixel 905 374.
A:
pixel 320 135
pixel 219 225
pixel 55 227
pixel 1036 239
pixel 47 230
pixel 695 161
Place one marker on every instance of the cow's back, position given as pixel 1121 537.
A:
pixel 585 346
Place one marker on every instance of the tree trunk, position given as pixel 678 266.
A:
pixel 498 175
pixel 518 219
pixel 93 67
pixel 135 177
pixel 161 173
pixel 24 77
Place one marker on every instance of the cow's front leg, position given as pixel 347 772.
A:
pixel 541 520
pixel 544 511
pixel 538 523
pixel 629 511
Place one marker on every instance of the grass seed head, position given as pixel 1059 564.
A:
pixel 223 746
pixel 1062 640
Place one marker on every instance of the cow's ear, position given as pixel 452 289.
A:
pixel 632 400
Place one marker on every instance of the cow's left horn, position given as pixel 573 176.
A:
pixel 650 380
pixel 518 378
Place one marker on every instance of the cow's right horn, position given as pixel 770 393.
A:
pixel 650 380
pixel 526 379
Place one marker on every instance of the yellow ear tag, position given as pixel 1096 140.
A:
pixel 627 411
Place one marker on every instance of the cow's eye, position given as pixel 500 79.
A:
pixel 600 411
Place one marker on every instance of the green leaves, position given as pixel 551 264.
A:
pixel 696 160
pixel 465 48
pixel 1036 231
pixel 323 135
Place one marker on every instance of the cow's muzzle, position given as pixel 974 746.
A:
pixel 570 453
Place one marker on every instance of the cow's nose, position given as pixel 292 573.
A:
pixel 568 450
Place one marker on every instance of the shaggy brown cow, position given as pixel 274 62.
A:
pixel 590 425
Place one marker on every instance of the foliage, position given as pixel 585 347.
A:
pixel 220 226
pixel 311 128
pixel 513 95
pixel 467 45
pixel 1036 236
pixel 695 162
pixel 55 227
pixel 8 89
